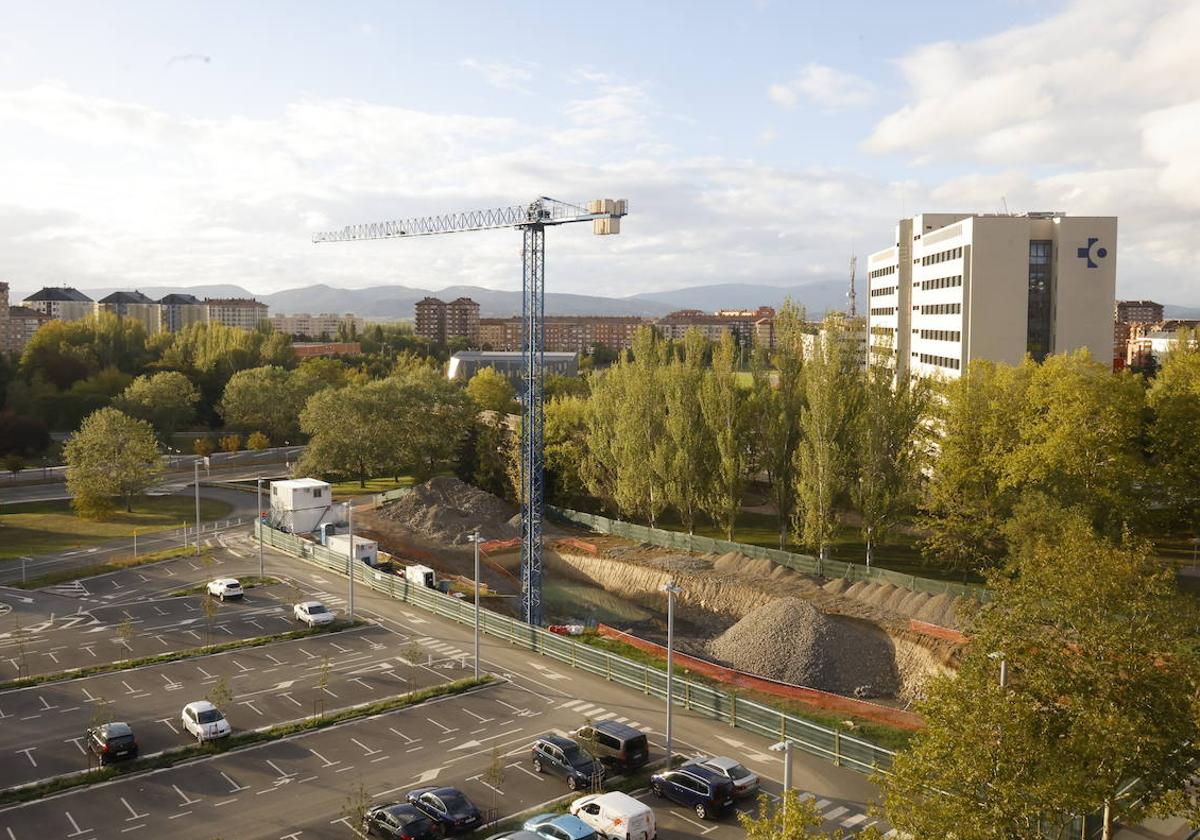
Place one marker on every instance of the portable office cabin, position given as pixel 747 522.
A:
pixel 300 505
pixel 365 550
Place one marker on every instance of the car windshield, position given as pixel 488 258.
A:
pixel 209 716
pixel 737 771
pixel 577 757
pixel 315 609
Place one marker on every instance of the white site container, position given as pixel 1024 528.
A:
pixel 421 575
pixel 365 550
pixel 300 505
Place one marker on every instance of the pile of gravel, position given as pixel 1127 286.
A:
pixel 792 641
pixel 944 610
pixel 446 510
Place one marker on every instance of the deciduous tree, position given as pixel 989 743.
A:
pixel 112 456
pixel 166 400
pixel 690 457
pixel 1175 433
pixel 492 391
pixel 723 404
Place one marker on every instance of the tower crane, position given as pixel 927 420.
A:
pixel 850 293
pixel 531 219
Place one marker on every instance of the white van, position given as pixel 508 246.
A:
pixel 616 816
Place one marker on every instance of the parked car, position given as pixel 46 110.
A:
pixel 111 741
pixel 516 835
pixel 448 807
pixel 564 757
pixel 615 743
pixel 312 613
pixel 745 783
pixel 616 816
pixel 560 827
pixel 399 821
pixel 697 787
pixel 204 721
pixel 225 588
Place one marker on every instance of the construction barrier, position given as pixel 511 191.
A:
pixel 804 563
pixel 823 700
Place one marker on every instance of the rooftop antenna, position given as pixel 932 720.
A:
pixel 1004 201
pixel 850 293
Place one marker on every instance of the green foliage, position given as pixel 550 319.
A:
pixel 1102 688
pixel 22 434
pixel 203 447
pixel 832 398
pixel 492 444
pixel 1174 397
pixel 565 447
pixel 64 352
pixel 491 391
pixel 166 400
pixel 723 404
pixel 687 452
pixel 230 443
pixel 112 455
pixel 14 463
pixel 257 441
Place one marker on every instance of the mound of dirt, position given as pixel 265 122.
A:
pixel 792 641
pixel 446 510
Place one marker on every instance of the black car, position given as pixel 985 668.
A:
pixel 447 807
pixel 563 757
pixel 111 741
pixel 399 821
pixel 697 787
pixel 615 743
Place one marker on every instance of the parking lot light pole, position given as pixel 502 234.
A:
pixel 672 589
pixel 785 747
pixel 258 523
pixel 475 539
pixel 196 464
pixel 350 558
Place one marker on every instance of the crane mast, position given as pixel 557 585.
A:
pixel 850 293
pixel 531 219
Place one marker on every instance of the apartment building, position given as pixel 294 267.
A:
pixel 439 322
pixel 954 287
pixel 135 306
pixel 19 325
pixel 1137 312
pixel 180 311
pixel 747 325
pixel 61 303
pixel 243 313
pixel 564 333
pixel 315 326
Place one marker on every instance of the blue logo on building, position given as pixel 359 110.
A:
pixel 1091 253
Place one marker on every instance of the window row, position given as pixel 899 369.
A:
pixel 939 283
pixel 941 335
pixel 939 361
pixel 939 309
pixel 882 272
pixel 884 290
pixel 941 256
pixel 883 310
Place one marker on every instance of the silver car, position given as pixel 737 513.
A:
pixel 745 783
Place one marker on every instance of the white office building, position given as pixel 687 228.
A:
pixel 957 286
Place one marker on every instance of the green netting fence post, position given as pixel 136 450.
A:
pixel 837 749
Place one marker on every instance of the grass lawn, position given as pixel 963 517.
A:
pixel 49 527
pixel 346 489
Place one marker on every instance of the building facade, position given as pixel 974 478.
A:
pixel 956 287
pixel 313 349
pixel 19 325
pixel 62 303
pixel 1137 312
pixel 135 306
pixel 564 333
pixel 243 313
pixel 439 322
pixel 180 311
pixel 430 317
pixel 747 325
pixel 315 326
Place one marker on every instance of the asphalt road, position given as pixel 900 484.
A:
pixel 298 787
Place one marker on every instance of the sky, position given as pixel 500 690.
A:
pixel 178 143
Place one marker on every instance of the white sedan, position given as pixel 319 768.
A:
pixel 312 613
pixel 204 721
pixel 225 588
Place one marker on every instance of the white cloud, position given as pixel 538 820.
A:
pixel 498 74
pixel 824 86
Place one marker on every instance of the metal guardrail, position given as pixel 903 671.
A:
pixel 829 744
pixel 804 563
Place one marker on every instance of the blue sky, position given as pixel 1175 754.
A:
pixel 186 143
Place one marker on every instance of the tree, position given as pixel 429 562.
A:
pixel 257 441
pixel 1080 430
pixel 14 464
pixel 22 434
pixel 1174 398
pixel 832 388
pixel 166 400
pixel 494 778
pixel 263 398
pixel 723 405
pixel 491 458
pixel 492 391
pixel 889 449
pixel 230 442
pixel 967 502
pixel 352 430
pixel 689 456
pixel 112 455
pixel 791 818
pixel 203 447
pixel 221 694
pixel 565 447
pixel 778 402
pixel 1102 687
pixel 435 425
pixel 638 428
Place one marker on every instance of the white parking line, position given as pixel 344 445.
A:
pixel 78 831
pixel 133 814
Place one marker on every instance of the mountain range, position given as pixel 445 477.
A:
pixel 396 302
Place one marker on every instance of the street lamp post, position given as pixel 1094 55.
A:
pixel 196 464
pixel 258 526
pixel 1003 667
pixel 785 747
pixel 350 559
pixel 475 539
pixel 672 589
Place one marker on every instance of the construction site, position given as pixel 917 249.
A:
pixel 857 639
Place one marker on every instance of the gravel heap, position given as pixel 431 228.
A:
pixel 792 641
pixel 446 510
pixel 944 610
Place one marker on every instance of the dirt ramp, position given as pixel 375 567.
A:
pixel 791 640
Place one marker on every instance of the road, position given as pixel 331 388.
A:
pixel 298 787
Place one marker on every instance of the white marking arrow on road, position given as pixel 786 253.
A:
pixel 546 672
pixel 466 746
pixel 430 775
